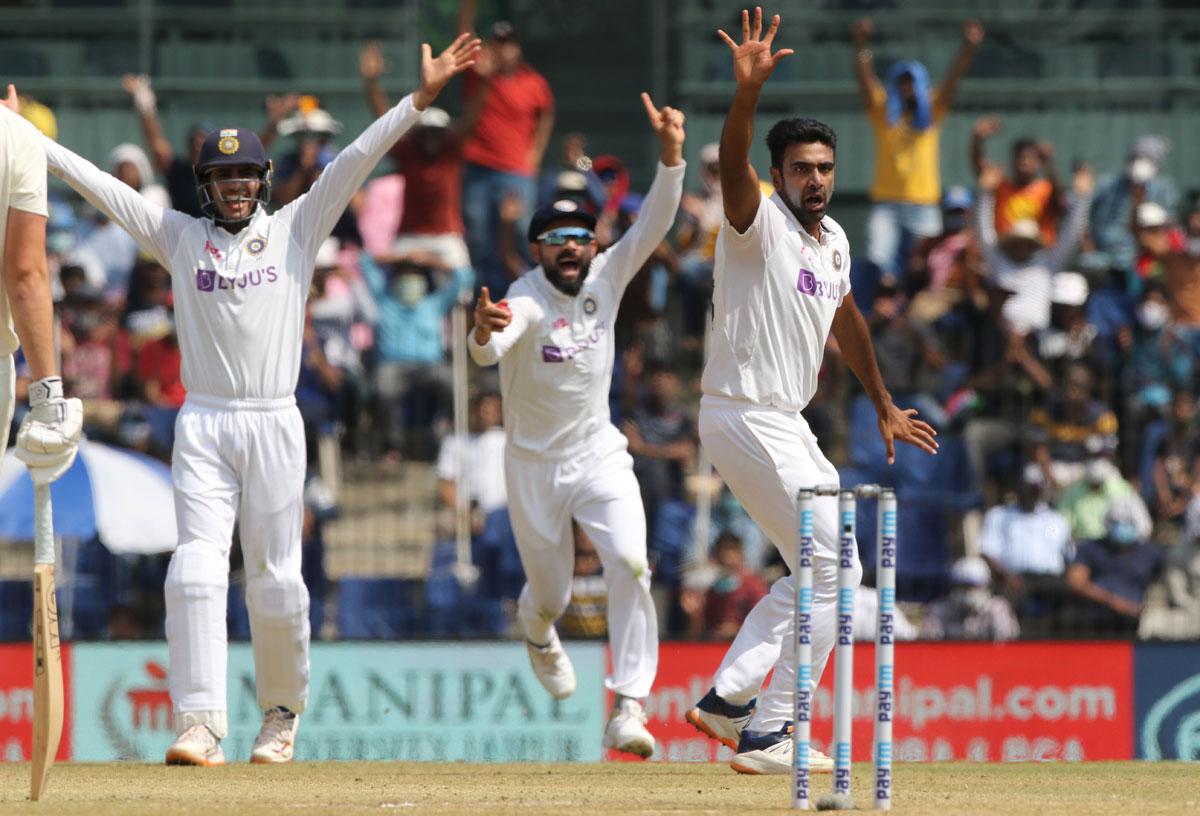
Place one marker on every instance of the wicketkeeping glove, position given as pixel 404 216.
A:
pixel 49 435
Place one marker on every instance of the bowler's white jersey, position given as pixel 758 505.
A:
pixel 22 187
pixel 775 292
pixel 239 299
pixel 556 357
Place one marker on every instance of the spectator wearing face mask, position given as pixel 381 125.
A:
pixel 1157 358
pixel 410 342
pixel 733 592
pixel 970 611
pixel 1116 196
pixel 1111 574
pixel 1025 542
pixel 1085 503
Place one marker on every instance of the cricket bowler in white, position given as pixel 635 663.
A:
pixel 240 278
pixel 564 459
pixel 49 434
pixel 781 286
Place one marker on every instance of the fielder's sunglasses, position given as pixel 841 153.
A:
pixel 560 236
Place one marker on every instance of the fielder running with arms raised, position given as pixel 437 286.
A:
pixel 49 434
pixel 240 278
pixel 564 459
pixel 781 285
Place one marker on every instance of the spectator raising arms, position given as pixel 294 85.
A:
pixel 1018 261
pixel 177 169
pixel 1031 191
pixel 509 116
pixel 431 160
pixel 906 115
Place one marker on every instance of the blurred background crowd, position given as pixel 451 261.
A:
pixel 1032 289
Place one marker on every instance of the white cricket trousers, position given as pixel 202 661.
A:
pixel 8 394
pixel 244 461
pixel 595 487
pixel 765 456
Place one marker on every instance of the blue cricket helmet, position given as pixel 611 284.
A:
pixel 231 147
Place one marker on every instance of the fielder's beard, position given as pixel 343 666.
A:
pixel 567 287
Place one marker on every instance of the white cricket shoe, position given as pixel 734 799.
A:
pixel 720 720
pixel 276 740
pixel 771 753
pixel 196 746
pixel 552 667
pixel 626 729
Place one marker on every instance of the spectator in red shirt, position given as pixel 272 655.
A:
pixel 430 157
pixel 734 592
pixel 509 115
pixel 158 369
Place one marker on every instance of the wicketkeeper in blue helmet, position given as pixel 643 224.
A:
pixel 240 279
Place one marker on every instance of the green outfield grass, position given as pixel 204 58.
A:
pixel 611 788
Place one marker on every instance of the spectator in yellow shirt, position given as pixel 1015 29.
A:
pixel 906 114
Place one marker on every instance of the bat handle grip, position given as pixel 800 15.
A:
pixel 43 525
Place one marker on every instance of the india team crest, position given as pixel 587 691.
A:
pixel 256 245
pixel 589 305
pixel 837 260
pixel 228 142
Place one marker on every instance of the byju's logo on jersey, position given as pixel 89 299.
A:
pixel 809 284
pixel 208 280
pixel 560 354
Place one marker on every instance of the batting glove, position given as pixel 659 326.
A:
pixel 49 436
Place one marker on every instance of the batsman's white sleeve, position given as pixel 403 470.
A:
pixel 626 256
pixel 500 342
pixel 156 228
pixel 313 214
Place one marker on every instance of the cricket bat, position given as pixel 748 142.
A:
pixel 47 652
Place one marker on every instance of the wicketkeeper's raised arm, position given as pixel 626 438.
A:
pixel 314 213
pixel 753 63
pixel 658 211
pixel 155 228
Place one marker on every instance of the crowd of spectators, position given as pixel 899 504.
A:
pixel 1048 330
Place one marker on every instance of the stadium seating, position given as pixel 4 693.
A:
pixel 376 609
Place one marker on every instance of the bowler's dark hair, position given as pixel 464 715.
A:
pixel 802 131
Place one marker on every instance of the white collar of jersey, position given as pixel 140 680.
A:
pixel 795 224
